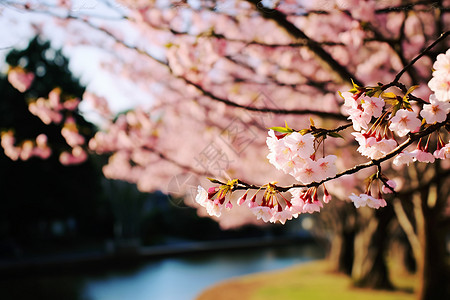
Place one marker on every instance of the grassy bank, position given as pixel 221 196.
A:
pixel 312 281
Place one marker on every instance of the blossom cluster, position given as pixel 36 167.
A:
pixel 50 110
pixel 434 112
pixel 399 118
pixel 26 149
pixel 272 206
pixel 20 79
pixel 379 119
pixel 294 154
pixel 53 109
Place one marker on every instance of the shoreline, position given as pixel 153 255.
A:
pixel 131 255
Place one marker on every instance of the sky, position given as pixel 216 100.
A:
pixel 84 60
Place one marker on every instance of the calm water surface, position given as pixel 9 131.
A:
pixel 181 278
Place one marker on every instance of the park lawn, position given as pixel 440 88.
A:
pixel 312 281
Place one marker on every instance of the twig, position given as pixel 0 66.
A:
pixel 375 162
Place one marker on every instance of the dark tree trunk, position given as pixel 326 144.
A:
pixel 426 224
pixel 432 267
pixel 340 220
pixel 371 245
pixel 341 252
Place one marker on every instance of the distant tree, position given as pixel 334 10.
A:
pixel 42 198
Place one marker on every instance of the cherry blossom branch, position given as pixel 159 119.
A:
pixel 411 6
pixel 415 59
pixel 203 91
pixel 280 111
pixel 375 162
pixel 321 86
pixel 281 19
pixel 176 163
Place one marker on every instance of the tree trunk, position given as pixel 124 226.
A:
pixel 371 244
pixel 341 251
pixel 432 269
pixel 426 231
pixel 339 221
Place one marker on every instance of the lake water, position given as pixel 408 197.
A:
pixel 180 278
pixel 185 278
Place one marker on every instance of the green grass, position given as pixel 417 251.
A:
pixel 312 281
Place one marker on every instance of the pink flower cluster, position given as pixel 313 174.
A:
pixel 76 156
pixel 293 153
pixel 26 149
pixel 361 109
pixel 439 106
pixel 213 200
pixel 376 141
pixel 367 198
pixel 422 154
pixel 50 110
pixel 271 207
pixel 71 134
pixel 20 79
pixel 435 112
pixel 440 82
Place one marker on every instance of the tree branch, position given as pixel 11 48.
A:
pixel 407 227
pixel 375 162
pixel 281 19
pixel 415 59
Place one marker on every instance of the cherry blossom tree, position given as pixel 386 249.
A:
pixel 364 86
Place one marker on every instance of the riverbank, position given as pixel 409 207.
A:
pixel 171 278
pixel 131 254
pixel 312 281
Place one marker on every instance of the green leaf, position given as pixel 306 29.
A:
pixel 411 89
pixel 305 131
pixel 335 135
pixel 357 87
pixel 287 127
pixel 281 129
pixel 388 95
pixel 213 180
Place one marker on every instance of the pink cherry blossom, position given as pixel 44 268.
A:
pixel 423 156
pixel 27 150
pixel 202 196
pixel 367 200
pixel 282 216
pixel 76 156
pixel 213 208
pixel 263 212
pixel 370 147
pixel 242 199
pixel 312 207
pixel 443 152
pixel 440 85
pixel 373 106
pixel 326 195
pixel 442 65
pixel 273 142
pixel 308 172
pixel 404 122
pixel 436 111
pixel 359 118
pixel 404 157
pixel 70 133
pixel 327 165
pixel 20 79
pixel 390 183
pixel 296 202
pixel 302 145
